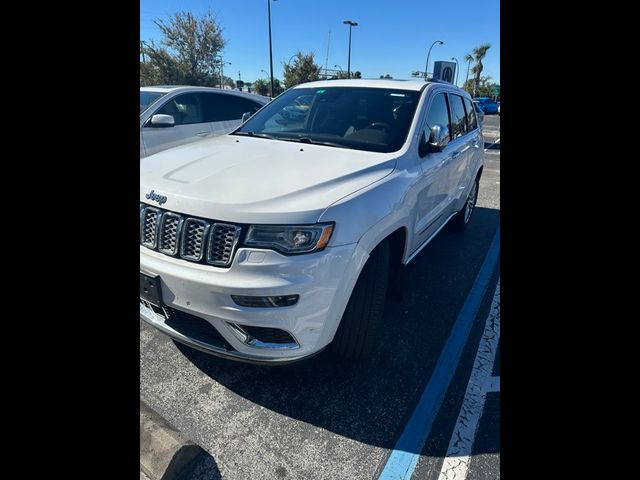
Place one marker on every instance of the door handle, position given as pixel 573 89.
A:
pixel 202 134
pixel 455 155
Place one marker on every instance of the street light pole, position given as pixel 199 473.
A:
pixel 270 48
pixel 426 68
pixel 457 68
pixel 351 24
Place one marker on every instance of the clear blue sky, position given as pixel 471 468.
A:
pixel 392 37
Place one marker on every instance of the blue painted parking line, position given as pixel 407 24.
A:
pixel 403 459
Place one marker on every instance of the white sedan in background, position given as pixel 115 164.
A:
pixel 172 116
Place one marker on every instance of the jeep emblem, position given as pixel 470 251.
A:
pixel 154 197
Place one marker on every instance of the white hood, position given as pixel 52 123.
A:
pixel 255 180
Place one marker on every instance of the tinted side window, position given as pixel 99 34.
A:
pixel 438 114
pixel 220 107
pixel 472 121
pixel 185 109
pixel 458 118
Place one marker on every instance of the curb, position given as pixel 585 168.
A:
pixel 164 451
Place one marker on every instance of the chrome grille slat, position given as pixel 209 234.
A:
pixel 194 234
pixel 193 239
pixel 222 243
pixel 149 221
pixel 170 228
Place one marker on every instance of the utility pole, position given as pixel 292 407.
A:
pixel 222 64
pixel 270 48
pixel 326 61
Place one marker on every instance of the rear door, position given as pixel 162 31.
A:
pixel 464 145
pixel 476 141
pixel 223 111
pixel 190 125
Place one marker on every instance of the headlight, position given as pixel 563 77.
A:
pixel 290 239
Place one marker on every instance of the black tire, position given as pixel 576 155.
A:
pixel 463 217
pixel 358 331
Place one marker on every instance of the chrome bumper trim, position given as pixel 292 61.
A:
pixel 157 321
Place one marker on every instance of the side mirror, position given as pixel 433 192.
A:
pixel 162 121
pixel 438 139
pixel 246 116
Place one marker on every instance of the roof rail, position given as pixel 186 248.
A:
pixel 438 80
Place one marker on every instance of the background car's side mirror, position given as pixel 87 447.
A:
pixel 246 116
pixel 160 120
pixel 438 139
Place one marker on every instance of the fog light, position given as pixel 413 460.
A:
pixel 265 302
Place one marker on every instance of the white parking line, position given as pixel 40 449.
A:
pixel 496 141
pixel 456 463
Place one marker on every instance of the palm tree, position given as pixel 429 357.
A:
pixel 467 58
pixel 478 54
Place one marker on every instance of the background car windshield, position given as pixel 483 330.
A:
pixel 372 119
pixel 147 98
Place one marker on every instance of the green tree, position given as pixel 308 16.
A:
pixel 478 55
pixel 187 53
pixel 262 85
pixel 485 87
pixel 356 74
pixel 468 58
pixel 277 87
pixel 301 70
pixel 387 76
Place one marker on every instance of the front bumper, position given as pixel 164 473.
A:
pixel 323 280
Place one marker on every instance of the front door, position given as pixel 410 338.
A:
pixel 433 188
pixel 190 125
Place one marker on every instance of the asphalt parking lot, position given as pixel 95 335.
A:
pixel 327 419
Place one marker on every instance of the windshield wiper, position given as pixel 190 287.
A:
pixel 254 134
pixel 313 142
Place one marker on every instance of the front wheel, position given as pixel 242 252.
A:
pixel 462 218
pixel 358 330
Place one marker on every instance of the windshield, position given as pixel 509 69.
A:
pixel 360 118
pixel 147 98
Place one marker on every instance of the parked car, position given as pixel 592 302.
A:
pixel 479 112
pixel 487 104
pixel 171 116
pixel 280 239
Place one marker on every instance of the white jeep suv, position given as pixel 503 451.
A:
pixel 282 238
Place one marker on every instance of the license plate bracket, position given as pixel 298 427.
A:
pixel 151 290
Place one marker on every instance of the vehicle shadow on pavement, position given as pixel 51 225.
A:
pixel 491 146
pixel 203 467
pixel 371 401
